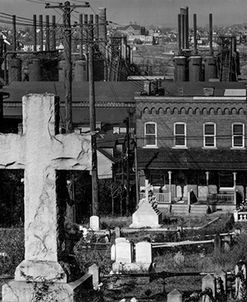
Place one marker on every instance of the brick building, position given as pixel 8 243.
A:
pixel 192 144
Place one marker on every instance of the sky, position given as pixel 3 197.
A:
pixel 143 12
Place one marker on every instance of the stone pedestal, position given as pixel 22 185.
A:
pixel 18 291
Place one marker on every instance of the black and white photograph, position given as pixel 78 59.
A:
pixel 123 153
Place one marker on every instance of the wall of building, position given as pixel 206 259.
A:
pixel 167 112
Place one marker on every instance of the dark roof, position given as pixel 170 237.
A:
pixel 113 99
pixel 197 89
pixel 104 91
pixel 197 159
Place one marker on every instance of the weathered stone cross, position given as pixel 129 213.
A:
pixel 41 152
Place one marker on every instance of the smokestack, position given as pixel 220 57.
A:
pixel 102 30
pixel 179 34
pixel 14 32
pixel 41 32
pixel 86 33
pixel 53 41
pixel 47 34
pixel 182 31
pixel 195 34
pixel 34 33
pixel 97 27
pixel 81 35
pixel 187 28
pixel 211 34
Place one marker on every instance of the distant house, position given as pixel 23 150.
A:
pixel 193 139
pixel 132 29
pixel 140 39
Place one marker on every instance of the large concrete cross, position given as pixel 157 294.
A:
pixel 40 152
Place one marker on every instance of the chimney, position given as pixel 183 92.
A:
pixel 195 34
pixel 34 32
pixel 41 32
pixel 86 33
pixel 53 41
pixel 47 34
pixel 102 30
pixel 179 34
pixel 187 28
pixel 211 34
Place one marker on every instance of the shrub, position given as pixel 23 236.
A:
pixel 11 243
pixel 86 255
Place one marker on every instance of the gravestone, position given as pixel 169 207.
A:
pixel 212 189
pixel 174 296
pixel 146 216
pixel 94 223
pixel 123 252
pixel 185 193
pixel 202 193
pixel 179 192
pixel 208 282
pixel 143 252
pixel 41 152
pixel 240 279
pixel 94 271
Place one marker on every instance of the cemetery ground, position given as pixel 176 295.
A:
pixel 184 259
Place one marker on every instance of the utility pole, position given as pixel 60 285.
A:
pixel 127 121
pixel 95 194
pixel 67 9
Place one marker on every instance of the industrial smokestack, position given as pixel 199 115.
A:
pixel 81 35
pixel 86 33
pixel 97 27
pixel 195 34
pixel 35 32
pixel 179 34
pixel 187 28
pixel 14 32
pixel 47 34
pixel 211 34
pixel 53 40
pixel 41 32
pixel 182 31
pixel 102 30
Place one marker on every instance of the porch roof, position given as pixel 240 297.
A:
pixel 196 159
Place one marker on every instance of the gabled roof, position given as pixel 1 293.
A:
pixel 134 26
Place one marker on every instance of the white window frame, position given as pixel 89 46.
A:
pixel 243 136
pixel 209 135
pixel 176 135
pixel 145 135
